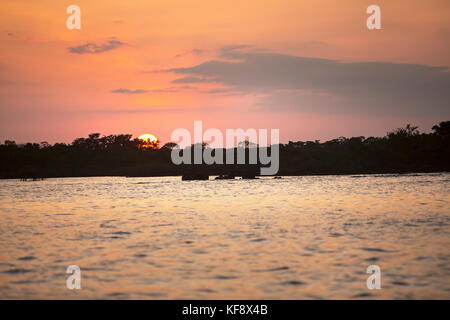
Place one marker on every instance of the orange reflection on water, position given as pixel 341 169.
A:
pixel 294 238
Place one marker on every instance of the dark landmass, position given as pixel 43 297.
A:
pixel 403 150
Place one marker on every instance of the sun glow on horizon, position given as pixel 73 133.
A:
pixel 147 136
pixel 148 141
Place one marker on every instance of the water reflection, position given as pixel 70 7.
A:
pixel 161 238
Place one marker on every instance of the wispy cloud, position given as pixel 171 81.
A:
pixel 91 47
pixel 191 80
pixel 195 52
pixel 128 91
pixel 160 90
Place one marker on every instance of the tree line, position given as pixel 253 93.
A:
pixel 400 151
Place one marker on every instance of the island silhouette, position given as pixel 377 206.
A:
pixel 404 150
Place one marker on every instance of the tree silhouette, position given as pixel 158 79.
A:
pixel 401 150
pixel 442 129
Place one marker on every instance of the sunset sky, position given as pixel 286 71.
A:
pixel 310 68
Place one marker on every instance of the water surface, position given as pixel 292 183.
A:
pixel 163 238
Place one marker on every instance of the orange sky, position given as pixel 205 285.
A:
pixel 48 93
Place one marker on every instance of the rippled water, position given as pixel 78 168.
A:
pixel 293 238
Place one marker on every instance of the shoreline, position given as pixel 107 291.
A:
pixel 355 174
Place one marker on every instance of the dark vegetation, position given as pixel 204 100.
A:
pixel 400 151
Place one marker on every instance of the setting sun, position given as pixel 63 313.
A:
pixel 148 141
